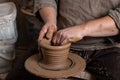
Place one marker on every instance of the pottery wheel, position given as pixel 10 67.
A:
pixel 32 65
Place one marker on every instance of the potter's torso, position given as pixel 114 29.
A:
pixel 73 12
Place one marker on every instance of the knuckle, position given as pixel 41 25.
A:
pixel 50 30
pixel 53 28
pixel 67 36
pixel 61 32
pixel 43 29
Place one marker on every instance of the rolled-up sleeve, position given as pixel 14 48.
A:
pixel 115 15
pixel 38 4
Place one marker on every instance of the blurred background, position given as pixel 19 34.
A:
pixel 24 47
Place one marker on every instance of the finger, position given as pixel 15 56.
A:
pixel 54 40
pixel 61 38
pixel 58 39
pixel 49 33
pixel 65 41
pixel 58 42
pixel 42 33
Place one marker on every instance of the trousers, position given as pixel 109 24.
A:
pixel 104 64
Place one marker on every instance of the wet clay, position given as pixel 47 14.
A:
pixel 54 61
pixel 54 57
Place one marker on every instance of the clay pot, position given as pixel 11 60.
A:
pixel 54 57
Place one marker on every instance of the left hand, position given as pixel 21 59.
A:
pixel 71 34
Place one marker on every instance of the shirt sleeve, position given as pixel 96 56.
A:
pixel 38 4
pixel 115 15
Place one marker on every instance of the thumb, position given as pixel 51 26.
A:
pixel 50 33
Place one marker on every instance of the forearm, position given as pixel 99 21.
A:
pixel 48 14
pixel 100 27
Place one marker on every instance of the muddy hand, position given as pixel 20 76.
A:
pixel 47 31
pixel 71 34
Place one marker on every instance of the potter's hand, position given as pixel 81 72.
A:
pixel 71 34
pixel 47 31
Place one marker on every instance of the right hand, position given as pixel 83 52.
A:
pixel 47 31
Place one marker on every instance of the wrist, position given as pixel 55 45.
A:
pixel 51 22
pixel 84 30
pixel 90 27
